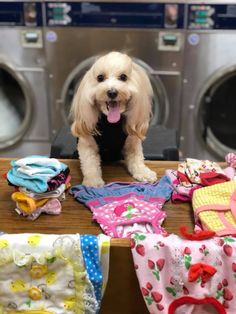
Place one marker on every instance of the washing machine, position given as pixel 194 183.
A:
pixel 151 32
pixel 208 128
pixel 24 114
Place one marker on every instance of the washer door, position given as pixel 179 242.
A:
pixel 160 107
pixel 15 106
pixel 217 113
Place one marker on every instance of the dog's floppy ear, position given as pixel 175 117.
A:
pixel 141 103
pixel 83 112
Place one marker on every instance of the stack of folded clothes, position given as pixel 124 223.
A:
pixel 40 183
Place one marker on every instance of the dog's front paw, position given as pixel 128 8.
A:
pixel 145 174
pixel 95 182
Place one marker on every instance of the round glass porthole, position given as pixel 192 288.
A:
pixel 15 106
pixel 216 114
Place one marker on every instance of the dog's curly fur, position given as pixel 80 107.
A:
pixel 117 72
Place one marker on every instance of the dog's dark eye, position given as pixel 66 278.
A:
pixel 123 77
pixel 101 78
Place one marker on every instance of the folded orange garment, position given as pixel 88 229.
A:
pixel 26 203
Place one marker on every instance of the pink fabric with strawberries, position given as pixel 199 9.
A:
pixel 171 268
pixel 127 215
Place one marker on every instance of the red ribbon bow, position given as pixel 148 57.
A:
pixel 204 271
pixel 200 235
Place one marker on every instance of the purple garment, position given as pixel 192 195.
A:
pixel 158 191
pixel 56 181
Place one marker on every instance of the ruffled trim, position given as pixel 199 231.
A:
pixel 30 312
pixel 20 258
pixel 67 249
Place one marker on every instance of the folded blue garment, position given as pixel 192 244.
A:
pixel 34 172
pixel 39 164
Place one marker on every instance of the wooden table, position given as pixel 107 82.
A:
pixel 122 295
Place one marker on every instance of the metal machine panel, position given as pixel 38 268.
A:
pixel 115 14
pixel 212 16
pixel 207 128
pixel 25 117
pixel 20 13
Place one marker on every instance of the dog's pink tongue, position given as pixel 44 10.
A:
pixel 113 113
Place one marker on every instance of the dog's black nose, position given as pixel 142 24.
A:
pixel 112 93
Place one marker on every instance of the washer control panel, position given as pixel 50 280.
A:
pixel 18 13
pixel 115 14
pixel 170 41
pixel 212 16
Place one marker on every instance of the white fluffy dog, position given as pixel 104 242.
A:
pixel 118 89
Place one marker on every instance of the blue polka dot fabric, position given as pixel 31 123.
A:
pixel 89 247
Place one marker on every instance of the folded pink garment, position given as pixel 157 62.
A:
pixel 230 158
pixel 52 207
pixel 193 170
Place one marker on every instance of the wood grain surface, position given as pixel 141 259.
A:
pixel 122 295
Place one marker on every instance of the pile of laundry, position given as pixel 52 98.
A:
pixel 40 184
pixel 193 174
